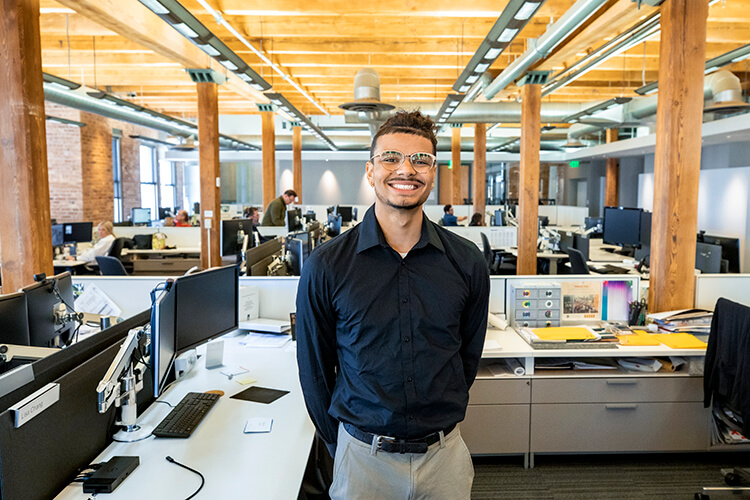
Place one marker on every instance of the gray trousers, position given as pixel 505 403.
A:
pixel 362 472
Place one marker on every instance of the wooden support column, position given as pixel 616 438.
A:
pixel 528 192
pixel 479 191
pixel 269 157
pixel 208 149
pixel 456 164
pixel 24 187
pixel 612 188
pixel 679 117
pixel 297 161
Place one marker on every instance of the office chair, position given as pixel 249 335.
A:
pixel 493 259
pixel 110 266
pixel 577 261
pixel 726 383
pixel 116 249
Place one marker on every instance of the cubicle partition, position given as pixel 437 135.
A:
pixel 180 237
pixel 710 287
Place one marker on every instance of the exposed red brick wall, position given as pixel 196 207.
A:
pixel 80 165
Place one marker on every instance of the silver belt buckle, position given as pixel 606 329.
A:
pixel 380 440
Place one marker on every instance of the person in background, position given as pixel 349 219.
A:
pixel 181 220
pixel 390 324
pixel 449 219
pixel 276 210
pixel 477 220
pixel 106 238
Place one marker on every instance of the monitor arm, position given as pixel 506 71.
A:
pixel 120 385
pixel 9 352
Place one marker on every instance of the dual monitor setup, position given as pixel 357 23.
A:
pixel 71 233
pixel 39 315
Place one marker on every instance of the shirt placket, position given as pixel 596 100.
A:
pixel 407 341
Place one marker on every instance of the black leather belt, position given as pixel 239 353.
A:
pixel 396 445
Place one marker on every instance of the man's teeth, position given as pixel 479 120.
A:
pixel 405 186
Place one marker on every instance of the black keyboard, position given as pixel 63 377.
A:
pixel 609 269
pixel 185 417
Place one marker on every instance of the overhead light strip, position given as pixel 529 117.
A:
pixel 220 20
pixel 282 102
pixel 448 107
pixel 616 101
pixel 512 20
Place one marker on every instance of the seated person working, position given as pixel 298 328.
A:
pixel 449 219
pixel 181 220
pixel 477 220
pixel 276 210
pixel 106 238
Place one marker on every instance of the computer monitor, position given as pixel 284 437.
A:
pixel 206 306
pixel 298 250
pixel 730 250
pixel 294 220
pixel 622 226
pixel 139 215
pixel 345 212
pixel 708 258
pixel 258 258
pixel 14 319
pixel 499 219
pixel 78 232
pixel 543 221
pixel 47 302
pixel 334 225
pixel 165 212
pixel 163 314
pixel 58 235
pixel 233 232
pixel 309 217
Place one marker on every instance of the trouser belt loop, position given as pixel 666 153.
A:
pixel 441 435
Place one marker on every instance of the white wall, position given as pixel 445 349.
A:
pixel 723 208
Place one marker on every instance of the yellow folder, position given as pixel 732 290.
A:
pixel 638 338
pixel 680 341
pixel 564 333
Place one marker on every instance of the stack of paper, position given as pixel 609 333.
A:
pixel 266 325
pixel 683 321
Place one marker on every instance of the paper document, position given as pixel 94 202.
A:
pixel 564 333
pixel 492 345
pixel 638 338
pixel 266 325
pixel 258 424
pixel 94 301
pixel 680 341
pixel 640 364
pixel 265 340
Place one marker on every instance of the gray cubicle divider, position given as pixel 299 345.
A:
pixel 278 295
pixel 497 294
pixel 130 293
pixel 709 287
pixel 38 459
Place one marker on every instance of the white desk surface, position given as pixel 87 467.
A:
pixel 170 251
pixel 70 263
pixel 236 465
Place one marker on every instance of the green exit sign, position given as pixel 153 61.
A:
pixel 450 164
pixel 574 164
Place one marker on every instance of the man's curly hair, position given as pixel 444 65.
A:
pixel 408 122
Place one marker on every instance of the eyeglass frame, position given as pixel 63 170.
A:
pixel 434 160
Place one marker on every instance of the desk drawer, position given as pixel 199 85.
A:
pixel 495 430
pixel 619 427
pixel 613 390
pixel 164 266
pixel 500 391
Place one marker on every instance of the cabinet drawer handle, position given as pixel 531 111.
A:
pixel 622 382
pixel 621 407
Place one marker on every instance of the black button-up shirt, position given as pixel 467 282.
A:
pixel 387 344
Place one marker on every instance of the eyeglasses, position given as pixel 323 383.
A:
pixel 392 160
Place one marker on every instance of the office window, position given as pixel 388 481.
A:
pixel 149 193
pixel 117 178
pixel 167 187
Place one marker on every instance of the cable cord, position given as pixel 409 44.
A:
pixel 203 479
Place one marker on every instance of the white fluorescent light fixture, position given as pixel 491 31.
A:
pixel 526 11
pixel 185 30
pixel 229 65
pixel 472 79
pixel 512 20
pixel 58 83
pixel 65 121
pixel 616 101
pixel 210 50
pixel 302 118
pixel 449 106
pixel 173 13
pixel 155 7
pixel 507 35
pixel 464 88
pixel 736 55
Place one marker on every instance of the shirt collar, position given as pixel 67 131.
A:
pixel 371 235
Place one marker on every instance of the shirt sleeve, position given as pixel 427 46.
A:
pixel 474 321
pixel 101 248
pixel 316 349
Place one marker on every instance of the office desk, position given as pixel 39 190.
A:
pixel 162 262
pixel 553 258
pixel 69 265
pixel 236 465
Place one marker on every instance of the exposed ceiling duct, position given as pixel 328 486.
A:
pixel 75 96
pixel 367 103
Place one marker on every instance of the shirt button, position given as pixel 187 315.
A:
pixel 411 417
pixel 403 262
pixel 404 300
pixel 408 379
pixel 407 339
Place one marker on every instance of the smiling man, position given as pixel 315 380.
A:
pixel 391 319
